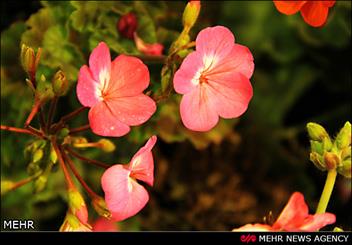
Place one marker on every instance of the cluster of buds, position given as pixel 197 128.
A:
pixel 328 154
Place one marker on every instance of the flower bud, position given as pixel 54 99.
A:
pixel 127 25
pixel 345 153
pixel 317 160
pixel 27 58
pixel 6 186
pixel 53 155
pixel 345 168
pixel 60 83
pixel 100 207
pixel 331 161
pixel 77 205
pixel 72 223
pixel 316 132
pixel 190 14
pixel 40 183
pixel 337 229
pixel 153 49
pixel 37 155
pixel 343 139
pixel 317 147
pixel 106 145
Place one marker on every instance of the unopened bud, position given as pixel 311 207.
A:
pixel 60 83
pixel 127 25
pixel 40 183
pixel 337 229
pixel 317 147
pixel 6 186
pixel 27 58
pixel 38 155
pixel 190 14
pixel 100 207
pixel 343 139
pixel 316 132
pixel 53 155
pixel 345 168
pixel 331 160
pixel 77 205
pixel 345 153
pixel 317 160
pixel 79 140
pixel 106 145
pixel 72 223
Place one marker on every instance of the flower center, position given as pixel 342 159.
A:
pixel 202 79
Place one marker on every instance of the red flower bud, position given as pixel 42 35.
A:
pixel 127 25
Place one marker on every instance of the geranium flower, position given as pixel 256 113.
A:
pixel 294 217
pixel 104 225
pixel 314 13
pixel 124 196
pixel 214 80
pixel 113 90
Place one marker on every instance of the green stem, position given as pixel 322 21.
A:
pixel 326 194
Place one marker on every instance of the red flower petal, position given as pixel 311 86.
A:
pixel 100 62
pixel 294 213
pixel 104 225
pixel 197 110
pixel 103 122
pixel 230 93
pixel 240 59
pixel 214 43
pixel 87 88
pixel 123 195
pixel 188 69
pixel 289 7
pixel 132 110
pixel 329 4
pixel 129 76
pixel 142 163
pixel 317 221
pixel 315 13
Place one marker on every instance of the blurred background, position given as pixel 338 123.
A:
pixel 235 174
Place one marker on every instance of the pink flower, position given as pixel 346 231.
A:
pixel 124 196
pixel 294 217
pixel 154 49
pixel 113 90
pixel 214 80
pixel 104 224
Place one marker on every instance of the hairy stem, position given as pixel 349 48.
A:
pixel 30 130
pixel 52 110
pixel 79 129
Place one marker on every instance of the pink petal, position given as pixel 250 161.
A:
pixel 100 61
pixel 197 111
pixel 129 76
pixel 188 70
pixel 215 42
pixel 294 213
pixel 103 122
pixel 240 59
pixel 254 227
pixel 124 197
pixel 289 7
pixel 87 87
pixel 315 13
pixel 132 110
pixel 142 163
pixel 104 225
pixel 317 221
pixel 230 92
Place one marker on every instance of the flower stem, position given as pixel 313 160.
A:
pixel 33 112
pixel 58 151
pixel 91 161
pixel 30 130
pixel 25 181
pixel 79 129
pixel 66 118
pixel 326 194
pixel 51 113
pixel 90 192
